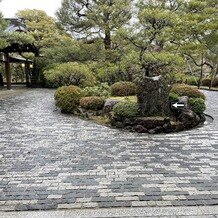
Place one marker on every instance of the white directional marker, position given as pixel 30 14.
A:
pixel 178 105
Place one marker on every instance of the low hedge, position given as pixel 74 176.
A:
pixel 67 98
pixel 123 89
pixel 102 90
pixel 186 90
pixel 71 73
pixel 126 109
pixel 192 80
pixel 198 105
pixel 173 96
pixel 215 82
pixel 92 103
pixel 207 82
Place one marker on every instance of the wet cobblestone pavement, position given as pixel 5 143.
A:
pixel 53 161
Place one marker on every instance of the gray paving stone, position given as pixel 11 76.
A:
pixel 61 161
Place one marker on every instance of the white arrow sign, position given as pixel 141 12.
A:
pixel 178 105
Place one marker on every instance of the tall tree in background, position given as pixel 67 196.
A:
pixel 199 33
pixel 98 18
pixel 42 27
pixel 151 36
pixel 152 33
pixel 2 27
pixel 45 32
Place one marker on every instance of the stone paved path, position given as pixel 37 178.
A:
pixel 49 160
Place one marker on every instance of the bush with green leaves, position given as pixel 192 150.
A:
pixel 186 90
pixel 198 105
pixel 102 90
pixel 92 103
pixel 123 89
pixel 192 80
pixel 71 73
pixel 108 73
pixel 206 82
pixel 215 82
pixel 173 96
pixel 126 109
pixel 67 98
pixel 175 77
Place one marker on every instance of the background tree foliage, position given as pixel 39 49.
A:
pixel 7 39
pixel 41 27
pixel 95 18
pixel 199 34
pixel 172 37
pixel 151 36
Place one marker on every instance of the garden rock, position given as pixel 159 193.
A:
pixel 109 104
pixel 129 128
pixel 153 96
pixel 128 122
pixel 185 101
pixel 189 119
pixel 167 128
pixel 156 130
pixel 140 129
pixel 150 122
pixel 119 125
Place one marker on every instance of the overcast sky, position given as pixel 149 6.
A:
pixel 10 7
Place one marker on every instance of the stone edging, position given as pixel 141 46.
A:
pixel 118 212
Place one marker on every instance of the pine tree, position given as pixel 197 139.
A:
pixel 94 18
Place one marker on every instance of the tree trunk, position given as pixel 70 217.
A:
pixel 153 96
pixel 27 73
pixel 8 71
pixel 214 73
pixel 107 40
pixel 201 76
pixel 34 76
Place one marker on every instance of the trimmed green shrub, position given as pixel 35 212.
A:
pixel 206 82
pixel 67 98
pixel 173 96
pixel 102 90
pixel 106 72
pixel 92 103
pixel 198 105
pixel 192 80
pixel 186 90
pixel 123 89
pixel 71 73
pixel 126 109
pixel 175 77
pixel 215 82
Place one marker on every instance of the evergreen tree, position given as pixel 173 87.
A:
pixel 41 27
pixel 94 18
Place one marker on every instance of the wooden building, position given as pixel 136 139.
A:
pixel 7 54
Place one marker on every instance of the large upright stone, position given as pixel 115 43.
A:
pixel 153 96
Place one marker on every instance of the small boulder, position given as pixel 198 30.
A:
pixel 185 101
pixel 79 110
pixel 129 128
pixel 189 119
pixel 156 130
pixel 167 128
pixel 177 126
pixel 108 105
pixel 140 129
pixel 127 122
pixel 150 122
pixel 119 125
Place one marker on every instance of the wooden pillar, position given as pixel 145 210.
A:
pixel 27 73
pixel 7 71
